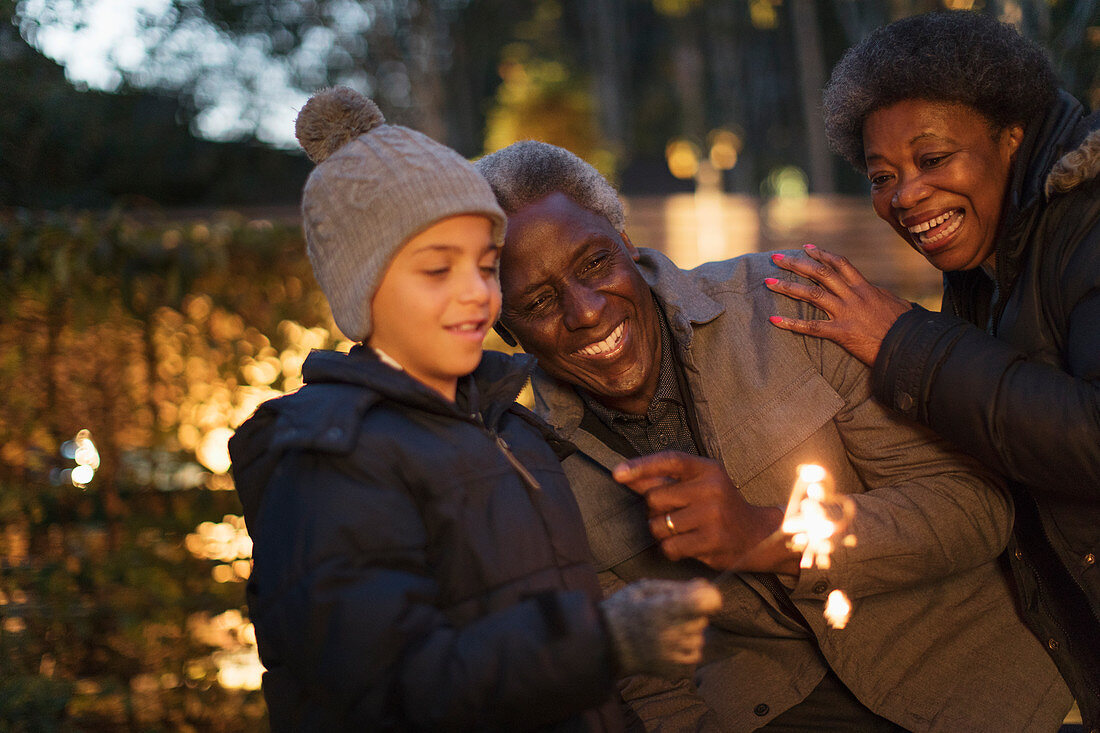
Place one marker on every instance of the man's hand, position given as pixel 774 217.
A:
pixel 696 511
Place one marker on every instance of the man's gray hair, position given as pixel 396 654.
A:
pixel 529 171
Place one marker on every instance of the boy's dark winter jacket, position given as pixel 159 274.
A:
pixel 418 564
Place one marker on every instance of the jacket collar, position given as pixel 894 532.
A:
pixel 490 390
pixel 1063 127
pixel 685 305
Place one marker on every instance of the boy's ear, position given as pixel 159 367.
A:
pixel 505 335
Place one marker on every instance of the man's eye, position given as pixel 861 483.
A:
pixel 595 263
pixel 538 303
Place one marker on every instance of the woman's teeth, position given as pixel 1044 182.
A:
pixel 608 345
pixel 919 231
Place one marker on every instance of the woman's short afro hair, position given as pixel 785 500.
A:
pixel 946 56
pixel 529 171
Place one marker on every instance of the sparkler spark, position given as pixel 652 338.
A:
pixel 815 516
pixel 837 609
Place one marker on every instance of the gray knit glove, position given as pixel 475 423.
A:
pixel 657 625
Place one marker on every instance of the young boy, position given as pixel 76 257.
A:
pixel 419 561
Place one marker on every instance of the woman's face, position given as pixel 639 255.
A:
pixel 938 173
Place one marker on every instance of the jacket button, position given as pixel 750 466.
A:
pixel 1053 643
pixel 761 710
pixel 820 587
pixel 905 401
pixel 1090 559
pixel 1019 555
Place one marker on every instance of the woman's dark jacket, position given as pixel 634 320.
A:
pixel 1010 370
pixel 417 565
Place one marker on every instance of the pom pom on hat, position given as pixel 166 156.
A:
pixel 332 118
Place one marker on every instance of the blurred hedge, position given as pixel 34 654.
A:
pixel 159 335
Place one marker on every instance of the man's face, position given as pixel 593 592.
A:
pixel 575 300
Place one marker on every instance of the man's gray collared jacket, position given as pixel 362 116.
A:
pixel 934 642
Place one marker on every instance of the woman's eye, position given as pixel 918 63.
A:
pixel 880 179
pixel 933 160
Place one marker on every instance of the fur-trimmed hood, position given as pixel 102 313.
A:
pixel 1076 166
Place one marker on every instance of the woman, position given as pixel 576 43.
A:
pixel 982 165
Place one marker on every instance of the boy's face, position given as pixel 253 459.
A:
pixel 437 300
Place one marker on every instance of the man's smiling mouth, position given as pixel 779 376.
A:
pixel 610 346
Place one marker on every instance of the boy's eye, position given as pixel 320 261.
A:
pixel 491 267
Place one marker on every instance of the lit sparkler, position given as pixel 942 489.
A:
pixel 815 516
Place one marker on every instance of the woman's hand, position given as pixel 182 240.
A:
pixel 860 313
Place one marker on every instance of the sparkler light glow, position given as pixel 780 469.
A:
pixel 815 515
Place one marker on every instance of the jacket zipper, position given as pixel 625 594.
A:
pixel 527 476
pixel 1041 585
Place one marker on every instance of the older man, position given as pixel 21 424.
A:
pixel 690 414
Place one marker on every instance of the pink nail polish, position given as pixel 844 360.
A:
pixel 777 257
pixel 809 246
pixel 776 319
pixel 771 280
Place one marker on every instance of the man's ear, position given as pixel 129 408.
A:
pixel 505 335
pixel 630 248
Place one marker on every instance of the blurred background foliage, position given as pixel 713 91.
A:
pixel 153 288
pixel 197 107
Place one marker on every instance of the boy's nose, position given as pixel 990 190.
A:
pixel 476 287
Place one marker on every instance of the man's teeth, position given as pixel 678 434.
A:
pixel 608 344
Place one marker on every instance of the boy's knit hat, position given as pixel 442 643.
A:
pixel 375 186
